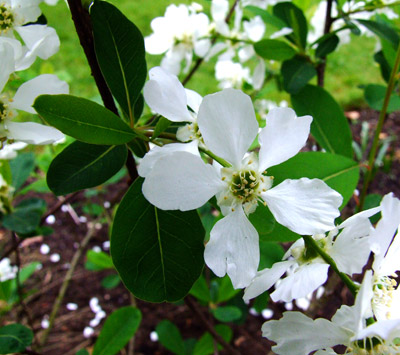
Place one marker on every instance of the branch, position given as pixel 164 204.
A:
pixel 191 303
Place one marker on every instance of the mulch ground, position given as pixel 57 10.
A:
pixel 66 337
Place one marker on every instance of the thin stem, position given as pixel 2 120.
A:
pixel 67 279
pixel 223 162
pixel 191 303
pixel 382 116
pixel 348 282
pixel 81 19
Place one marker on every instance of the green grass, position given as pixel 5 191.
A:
pixel 352 65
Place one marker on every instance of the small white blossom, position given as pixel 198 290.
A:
pixel 44 249
pixel 7 272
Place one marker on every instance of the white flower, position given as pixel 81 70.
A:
pixel 28 132
pixel 231 75
pixel 9 151
pixel 7 272
pixel 296 334
pixel 180 32
pixel 306 270
pixel 182 180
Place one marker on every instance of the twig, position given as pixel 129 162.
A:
pixel 191 303
pixel 81 19
pixel 19 286
pixel 67 279
pixel 57 206
pixel 131 345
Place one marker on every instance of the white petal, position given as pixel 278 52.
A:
pixel 41 85
pixel 259 75
pixel 306 279
pixel 266 278
pixel 297 334
pixel 27 9
pixel 228 124
pixel 282 32
pixel 359 217
pixel 193 100
pixel 156 43
pixel 305 206
pixel 283 136
pixel 33 133
pixel 219 10
pixel 391 263
pixel 201 47
pixel 181 181
pixel 151 157
pixel 165 95
pixel 352 248
pixel 233 249
pixel 254 28
pixel 41 40
pixel 384 329
pixel 7 63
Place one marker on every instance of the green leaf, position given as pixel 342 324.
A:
pixel 200 290
pixel 274 49
pixel 375 95
pixel 270 253
pixel 81 165
pixel 205 345
pixel 101 260
pixel 170 337
pixel 227 313
pixel 268 18
pixel 120 52
pixel 158 254
pixel 26 216
pixel 14 338
pixel 327 46
pixel 296 72
pixel 83 119
pixel 138 147
pixel 371 201
pixel 82 352
pixel 329 127
pixel 162 124
pixel 21 168
pixel 5 170
pixel 119 327
pixel 339 172
pixel 279 234
pixel 262 219
pixel 110 281
pixel 295 19
pixel 225 290
pixel 384 65
pixel 382 30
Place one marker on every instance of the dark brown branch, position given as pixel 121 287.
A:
pixel 81 19
pixel 191 303
pixel 327 27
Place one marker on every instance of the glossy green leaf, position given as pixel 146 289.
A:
pixel 225 290
pixel 327 46
pixel 295 19
pixel 162 124
pixel 329 127
pixel 119 327
pixel 15 338
pixel 375 95
pixel 262 219
pixel 110 281
pixel 382 30
pixel 206 344
pixel 82 352
pixel 26 216
pixel 83 119
pixel 227 313
pixel 170 337
pixel 274 49
pixel 200 290
pixel 268 18
pixel 5 171
pixel 101 260
pixel 279 234
pixel 384 65
pixel 158 254
pixel 120 52
pixel 339 172
pixel 296 72
pixel 138 147
pixel 81 165
pixel 270 253
pixel 21 168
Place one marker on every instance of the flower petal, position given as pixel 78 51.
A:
pixel 193 100
pixel 228 124
pixel 29 91
pixel 181 181
pixel 305 206
pixel 306 279
pixel 165 95
pixel 7 63
pixel 152 156
pixel 233 249
pixel 283 136
pixel 266 278
pixel 297 334
pixel 33 133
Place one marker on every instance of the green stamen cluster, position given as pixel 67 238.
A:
pixel 373 346
pixel 6 18
pixel 244 184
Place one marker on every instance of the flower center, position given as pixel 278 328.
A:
pixel 373 346
pixel 5 113
pixel 244 186
pixel 190 132
pixel 6 18
pixel 383 294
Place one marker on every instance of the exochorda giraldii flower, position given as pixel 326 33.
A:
pixel 28 132
pixel 179 33
pixel 183 181
pixel 306 270
pixel 7 272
